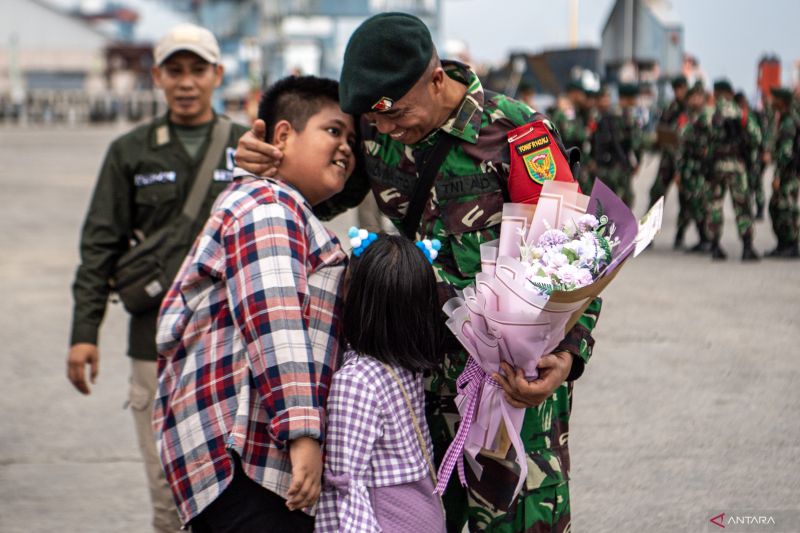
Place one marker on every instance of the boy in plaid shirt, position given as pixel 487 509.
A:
pixel 247 334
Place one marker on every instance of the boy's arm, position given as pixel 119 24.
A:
pixel 265 273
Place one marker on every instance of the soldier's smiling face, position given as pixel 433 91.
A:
pixel 417 113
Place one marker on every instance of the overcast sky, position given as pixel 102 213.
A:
pixel 727 36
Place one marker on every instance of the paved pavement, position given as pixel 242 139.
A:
pixel 689 407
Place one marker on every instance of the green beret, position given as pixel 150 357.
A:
pixel 574 85
pixel 628 89
pixel 697 87
pixel 782 93
pixel 383 60
pixel 723 85
pixel 679 81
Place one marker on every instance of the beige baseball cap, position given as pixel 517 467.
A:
pixel 190 38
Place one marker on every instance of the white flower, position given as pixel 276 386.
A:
pixel 587 222
pixel 570 228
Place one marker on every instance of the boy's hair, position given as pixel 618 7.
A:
pixel 391 308
pixel 295 99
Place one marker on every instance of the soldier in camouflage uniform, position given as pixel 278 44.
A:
pixel 672 119
pixel 724 138
pixel 752 150
pixel 691 158
pixel 783 208
pixel 571 119
pixel 617 143
pixel 402 122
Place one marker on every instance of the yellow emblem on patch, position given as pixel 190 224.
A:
pixel 540 165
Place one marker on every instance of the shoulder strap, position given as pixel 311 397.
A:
pixel 423 189
pixel 219 138
pixel 417 427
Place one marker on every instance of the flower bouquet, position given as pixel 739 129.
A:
pixel 536 280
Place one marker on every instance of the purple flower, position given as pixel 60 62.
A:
pixel 552 237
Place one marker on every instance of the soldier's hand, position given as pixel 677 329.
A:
pixel 80 355
pixel 766 157
pixel 519 392
pixel 305 455
pixel 776 184
pixel 256 156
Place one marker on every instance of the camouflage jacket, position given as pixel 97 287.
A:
pixel 572 125
pixel 618 140
pixel 785 143
pixel 464 211
pixel 143 183
pixel 691 155
pixel 727 134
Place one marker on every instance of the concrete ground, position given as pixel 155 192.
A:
pixel 689 407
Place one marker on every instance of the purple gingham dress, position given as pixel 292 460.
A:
pixel 376 477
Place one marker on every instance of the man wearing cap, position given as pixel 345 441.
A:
pixel 672 119
pixel 143 184
pixel 724 137
pixel 783 207
pixel 411 102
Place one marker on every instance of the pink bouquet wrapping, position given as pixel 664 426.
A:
pixel 551 260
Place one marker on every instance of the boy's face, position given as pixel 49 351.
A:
pixel 319 159
pixel 188 82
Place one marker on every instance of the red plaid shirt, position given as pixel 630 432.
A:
pixel 247 344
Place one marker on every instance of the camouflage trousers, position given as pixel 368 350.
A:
pixel 756 185
pixel 729 175
pixel 619 179
pixel 695 197
pixel 783 208
pixel 664 178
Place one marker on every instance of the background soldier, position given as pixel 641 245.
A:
pixel 142 187
pixel 617 143
pixel 752 150
pixel 692 169
pixel 725 138
pixel 783 208
pixel 672 119
pixel 571 119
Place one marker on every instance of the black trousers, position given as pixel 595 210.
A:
pixel 247 507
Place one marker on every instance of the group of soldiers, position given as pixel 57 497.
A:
pixel 710 143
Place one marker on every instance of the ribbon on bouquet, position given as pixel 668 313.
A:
pixel 471 384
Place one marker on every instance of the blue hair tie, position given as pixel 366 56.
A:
pixel 360 239
pixel 429 247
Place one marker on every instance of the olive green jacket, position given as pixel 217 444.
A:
pixel 142 186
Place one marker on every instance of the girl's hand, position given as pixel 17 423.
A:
pixel 256 156
pixel 305 455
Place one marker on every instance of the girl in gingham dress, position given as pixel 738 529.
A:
pixel 378 475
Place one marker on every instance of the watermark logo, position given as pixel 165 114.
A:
pixel 718 520
pixel 753 521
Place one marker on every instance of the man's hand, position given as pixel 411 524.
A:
pixel 519 392
pixel 80 355
pixel 305 455
pixel 256 156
